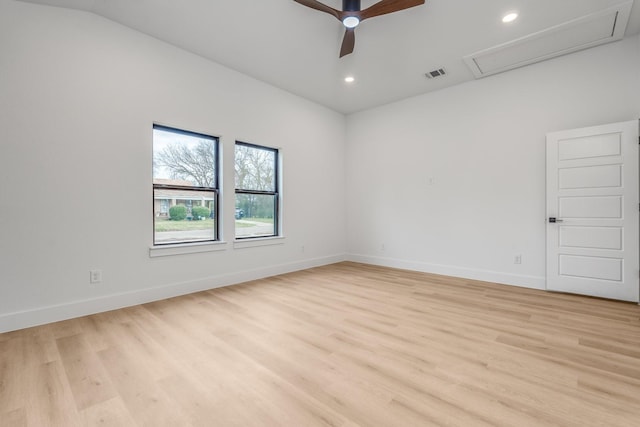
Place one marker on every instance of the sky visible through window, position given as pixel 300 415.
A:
pixel 162 139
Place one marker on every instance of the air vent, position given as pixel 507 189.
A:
pixel 588 31
pixel 436 73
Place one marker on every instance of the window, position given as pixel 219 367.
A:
pixel 256 191
pixel 185 186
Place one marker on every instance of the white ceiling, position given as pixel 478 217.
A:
pixel 296 48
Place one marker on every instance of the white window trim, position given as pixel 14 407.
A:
pixel 186 248
pixel 258 241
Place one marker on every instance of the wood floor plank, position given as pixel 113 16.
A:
pixel 49 401
pixel 89 382
pixel 146 401
pixel 12 366
pixel 109 413
pixel 15 418
pixel 341 345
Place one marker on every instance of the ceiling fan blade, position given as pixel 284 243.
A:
pixel 315 4
pixel 348 42
pixel 388 6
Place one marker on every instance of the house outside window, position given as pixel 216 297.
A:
pixel 185 186
pixel 257 191
pixel 164 207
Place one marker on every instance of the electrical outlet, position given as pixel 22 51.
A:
pixel 95 276
pixel 517 259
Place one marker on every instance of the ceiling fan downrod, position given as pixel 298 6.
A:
pixel 351 5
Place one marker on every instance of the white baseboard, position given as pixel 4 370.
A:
pixel 55 313
pixel 524 281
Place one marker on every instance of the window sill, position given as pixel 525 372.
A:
pixel 186 248
pixel 257 242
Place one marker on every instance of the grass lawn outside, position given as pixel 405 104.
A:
pixel 250 222
pixel 168 225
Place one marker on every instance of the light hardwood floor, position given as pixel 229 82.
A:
pixel 341 345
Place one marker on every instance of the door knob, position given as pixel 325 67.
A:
pixel 554 219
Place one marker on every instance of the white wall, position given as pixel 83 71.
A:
pixel 453 182
pixel 78 96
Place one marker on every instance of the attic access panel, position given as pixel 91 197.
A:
pixel 588 31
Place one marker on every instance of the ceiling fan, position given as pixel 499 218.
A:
pixel 351 15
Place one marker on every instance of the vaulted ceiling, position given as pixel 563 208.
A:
pixel 296 48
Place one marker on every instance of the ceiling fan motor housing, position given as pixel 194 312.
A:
pixel 351 5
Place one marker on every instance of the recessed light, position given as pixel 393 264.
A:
pixel 510 17
pixel 349 79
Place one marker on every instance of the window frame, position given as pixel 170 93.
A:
pixel 215 189
pixel 276 193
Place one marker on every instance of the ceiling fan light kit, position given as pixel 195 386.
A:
pixel 352 14
pixel 351 21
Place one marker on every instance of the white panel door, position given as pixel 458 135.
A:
pixel 593 211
